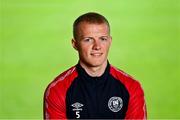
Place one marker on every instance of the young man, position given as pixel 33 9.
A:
pixel 93 88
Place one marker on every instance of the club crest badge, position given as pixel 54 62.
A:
pixel 115 104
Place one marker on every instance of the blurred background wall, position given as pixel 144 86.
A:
pixel 35 47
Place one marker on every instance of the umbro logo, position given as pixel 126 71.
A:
pixel 77 106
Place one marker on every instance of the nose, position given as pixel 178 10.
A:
pixel 96 45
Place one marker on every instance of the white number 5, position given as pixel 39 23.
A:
pixel 77 114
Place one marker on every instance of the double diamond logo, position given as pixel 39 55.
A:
pixel 77 108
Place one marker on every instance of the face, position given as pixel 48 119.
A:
pixel 92 43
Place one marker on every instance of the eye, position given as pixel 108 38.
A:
pixel 103 38
pixel 87 39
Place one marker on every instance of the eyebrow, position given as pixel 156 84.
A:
pixel 92 37
pixel 104 36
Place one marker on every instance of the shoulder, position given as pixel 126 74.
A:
pixel 62 81
pixel 128 81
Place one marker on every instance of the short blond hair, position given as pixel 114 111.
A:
pixel 90 17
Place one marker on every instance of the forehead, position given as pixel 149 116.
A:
pixel 92 28
pixel 96 25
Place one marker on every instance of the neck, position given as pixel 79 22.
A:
pixel 94 71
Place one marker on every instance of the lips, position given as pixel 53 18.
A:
pixel 96 54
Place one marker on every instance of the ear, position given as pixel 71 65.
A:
pixel 74 44
pixel 110 39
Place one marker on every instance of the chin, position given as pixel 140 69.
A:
pixel 96 63
pixel 93 62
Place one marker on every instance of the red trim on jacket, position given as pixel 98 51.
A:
pixel 136 106
pixel 55 95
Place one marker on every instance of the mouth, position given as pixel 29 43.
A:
pixel 96 54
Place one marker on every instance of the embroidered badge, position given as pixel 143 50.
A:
pixel 115 104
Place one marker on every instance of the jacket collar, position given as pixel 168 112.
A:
pixel 85 76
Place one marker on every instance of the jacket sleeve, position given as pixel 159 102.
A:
pixel 137 105
pixel 54 105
